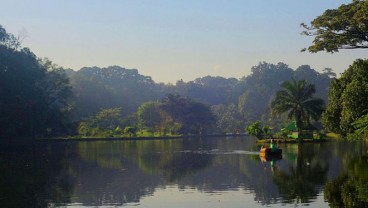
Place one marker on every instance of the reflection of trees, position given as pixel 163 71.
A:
pixel 163 157
pixel 183 165
pixel 303 179
pixel 129 170
pixel 121 172
pixel 350 189
pixel 34 177
pixel 109 173
pixel 126 171
pixel 98 186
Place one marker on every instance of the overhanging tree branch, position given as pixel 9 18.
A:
pixel 343 28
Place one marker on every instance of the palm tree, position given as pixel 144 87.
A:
pixel 296 98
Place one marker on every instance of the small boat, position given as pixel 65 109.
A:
pixel 268 152
pixel 268 158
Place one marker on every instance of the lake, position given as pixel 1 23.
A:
pixel 191 172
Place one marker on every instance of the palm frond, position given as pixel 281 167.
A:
pixel 296 99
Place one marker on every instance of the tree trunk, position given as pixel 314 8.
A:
pixel 299 125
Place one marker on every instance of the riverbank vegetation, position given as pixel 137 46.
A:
pixel 40 99
pixel 173 116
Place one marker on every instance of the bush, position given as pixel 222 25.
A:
pixel 258 131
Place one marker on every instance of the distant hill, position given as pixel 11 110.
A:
pixel 257 90
pixel 98 88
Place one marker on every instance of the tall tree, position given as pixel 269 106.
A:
pixel 194 117
pixel 8 40
pixel 104 123
pixel 296 98
pixel 259 87
pixel 33 93
pixel 343 28
pixel 20 95
pixel 348 98
pixel 210 90
pixel 57 99
pixel 228 118
pixel 150 116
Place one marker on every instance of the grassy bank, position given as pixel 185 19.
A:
pixel 262 141
pixel 78 138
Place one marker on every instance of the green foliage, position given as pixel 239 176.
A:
pixel 173 116
pixel 107 123
pixel 101 88
pixel 342 28
pixel 194 117
pixel 347 99
pixel 302 182
pixel 235 102
pixel 9 40
pixel 257 90
pixel 329 72
pixel 34 93
pixel 350 188
pixel 283 134
pixel 208 89
pixel 229 119
pixel 360 129
pixel 297 100
pixel 58 98
pixel 150 116
pixel 331 118
pixel 153 120
pixel 36 97
pixel 255 129
pixel 108 118
pixel 130 130
pixel 84 129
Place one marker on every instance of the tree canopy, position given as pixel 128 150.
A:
pixel 256 91
pixel 296 98
pixel 8 40
pixel 111 87
pixel 194 117
pixel 37 98
pixel 343 28
pixel 347 100
pixel 34 93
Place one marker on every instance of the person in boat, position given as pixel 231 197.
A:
pixel 273 145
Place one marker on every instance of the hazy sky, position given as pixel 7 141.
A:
pixel 171 39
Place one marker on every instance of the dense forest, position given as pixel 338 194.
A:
pixel 35 95
pixel 234 102
pixel 39 99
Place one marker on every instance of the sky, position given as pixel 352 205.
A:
pixel 171 40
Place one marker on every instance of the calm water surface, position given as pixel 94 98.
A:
pixel 207 172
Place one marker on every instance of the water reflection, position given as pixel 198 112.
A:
pixel 350 188
pixel 305 175
pixel 32 177
pixel 124 172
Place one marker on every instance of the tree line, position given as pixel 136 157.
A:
pixel 34 93
pixel 41 99
pixel 345 27
pixel 173 115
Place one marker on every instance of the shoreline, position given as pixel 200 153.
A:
pixel 265 141
pixel 65 139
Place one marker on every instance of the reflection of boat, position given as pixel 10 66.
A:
pixel 268 152
pixel 268 158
